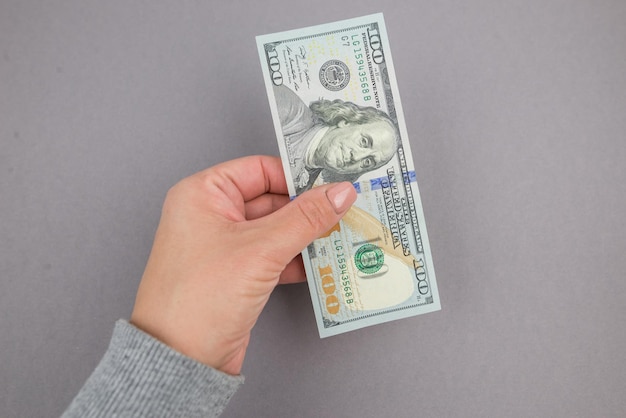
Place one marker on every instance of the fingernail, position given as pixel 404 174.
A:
pixel 341 196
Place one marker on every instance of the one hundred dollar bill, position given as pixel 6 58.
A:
pixel 337 114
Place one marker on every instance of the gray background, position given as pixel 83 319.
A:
pixel 517 117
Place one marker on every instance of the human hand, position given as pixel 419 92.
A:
pixel 227 236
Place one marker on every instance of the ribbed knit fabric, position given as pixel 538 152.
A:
pixel 140 376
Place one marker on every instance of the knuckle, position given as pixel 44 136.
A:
pixel 179 193
pixel 316 214
pixel 177 190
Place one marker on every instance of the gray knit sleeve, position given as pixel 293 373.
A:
pixel 140 376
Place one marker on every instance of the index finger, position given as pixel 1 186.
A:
pixel 249 177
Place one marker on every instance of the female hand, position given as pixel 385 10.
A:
pixel 227 236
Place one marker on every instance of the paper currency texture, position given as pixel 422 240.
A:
pixel 337 114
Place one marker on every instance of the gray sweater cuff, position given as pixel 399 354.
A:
pixel 140 376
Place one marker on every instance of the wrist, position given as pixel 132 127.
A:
pixel 194 345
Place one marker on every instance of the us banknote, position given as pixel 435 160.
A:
pixel 337 114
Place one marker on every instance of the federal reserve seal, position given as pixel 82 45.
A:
pixel 334 75
pixel 369 258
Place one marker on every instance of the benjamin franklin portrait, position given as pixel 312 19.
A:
pixel 333 140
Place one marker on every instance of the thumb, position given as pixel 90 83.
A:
pixel 294 226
